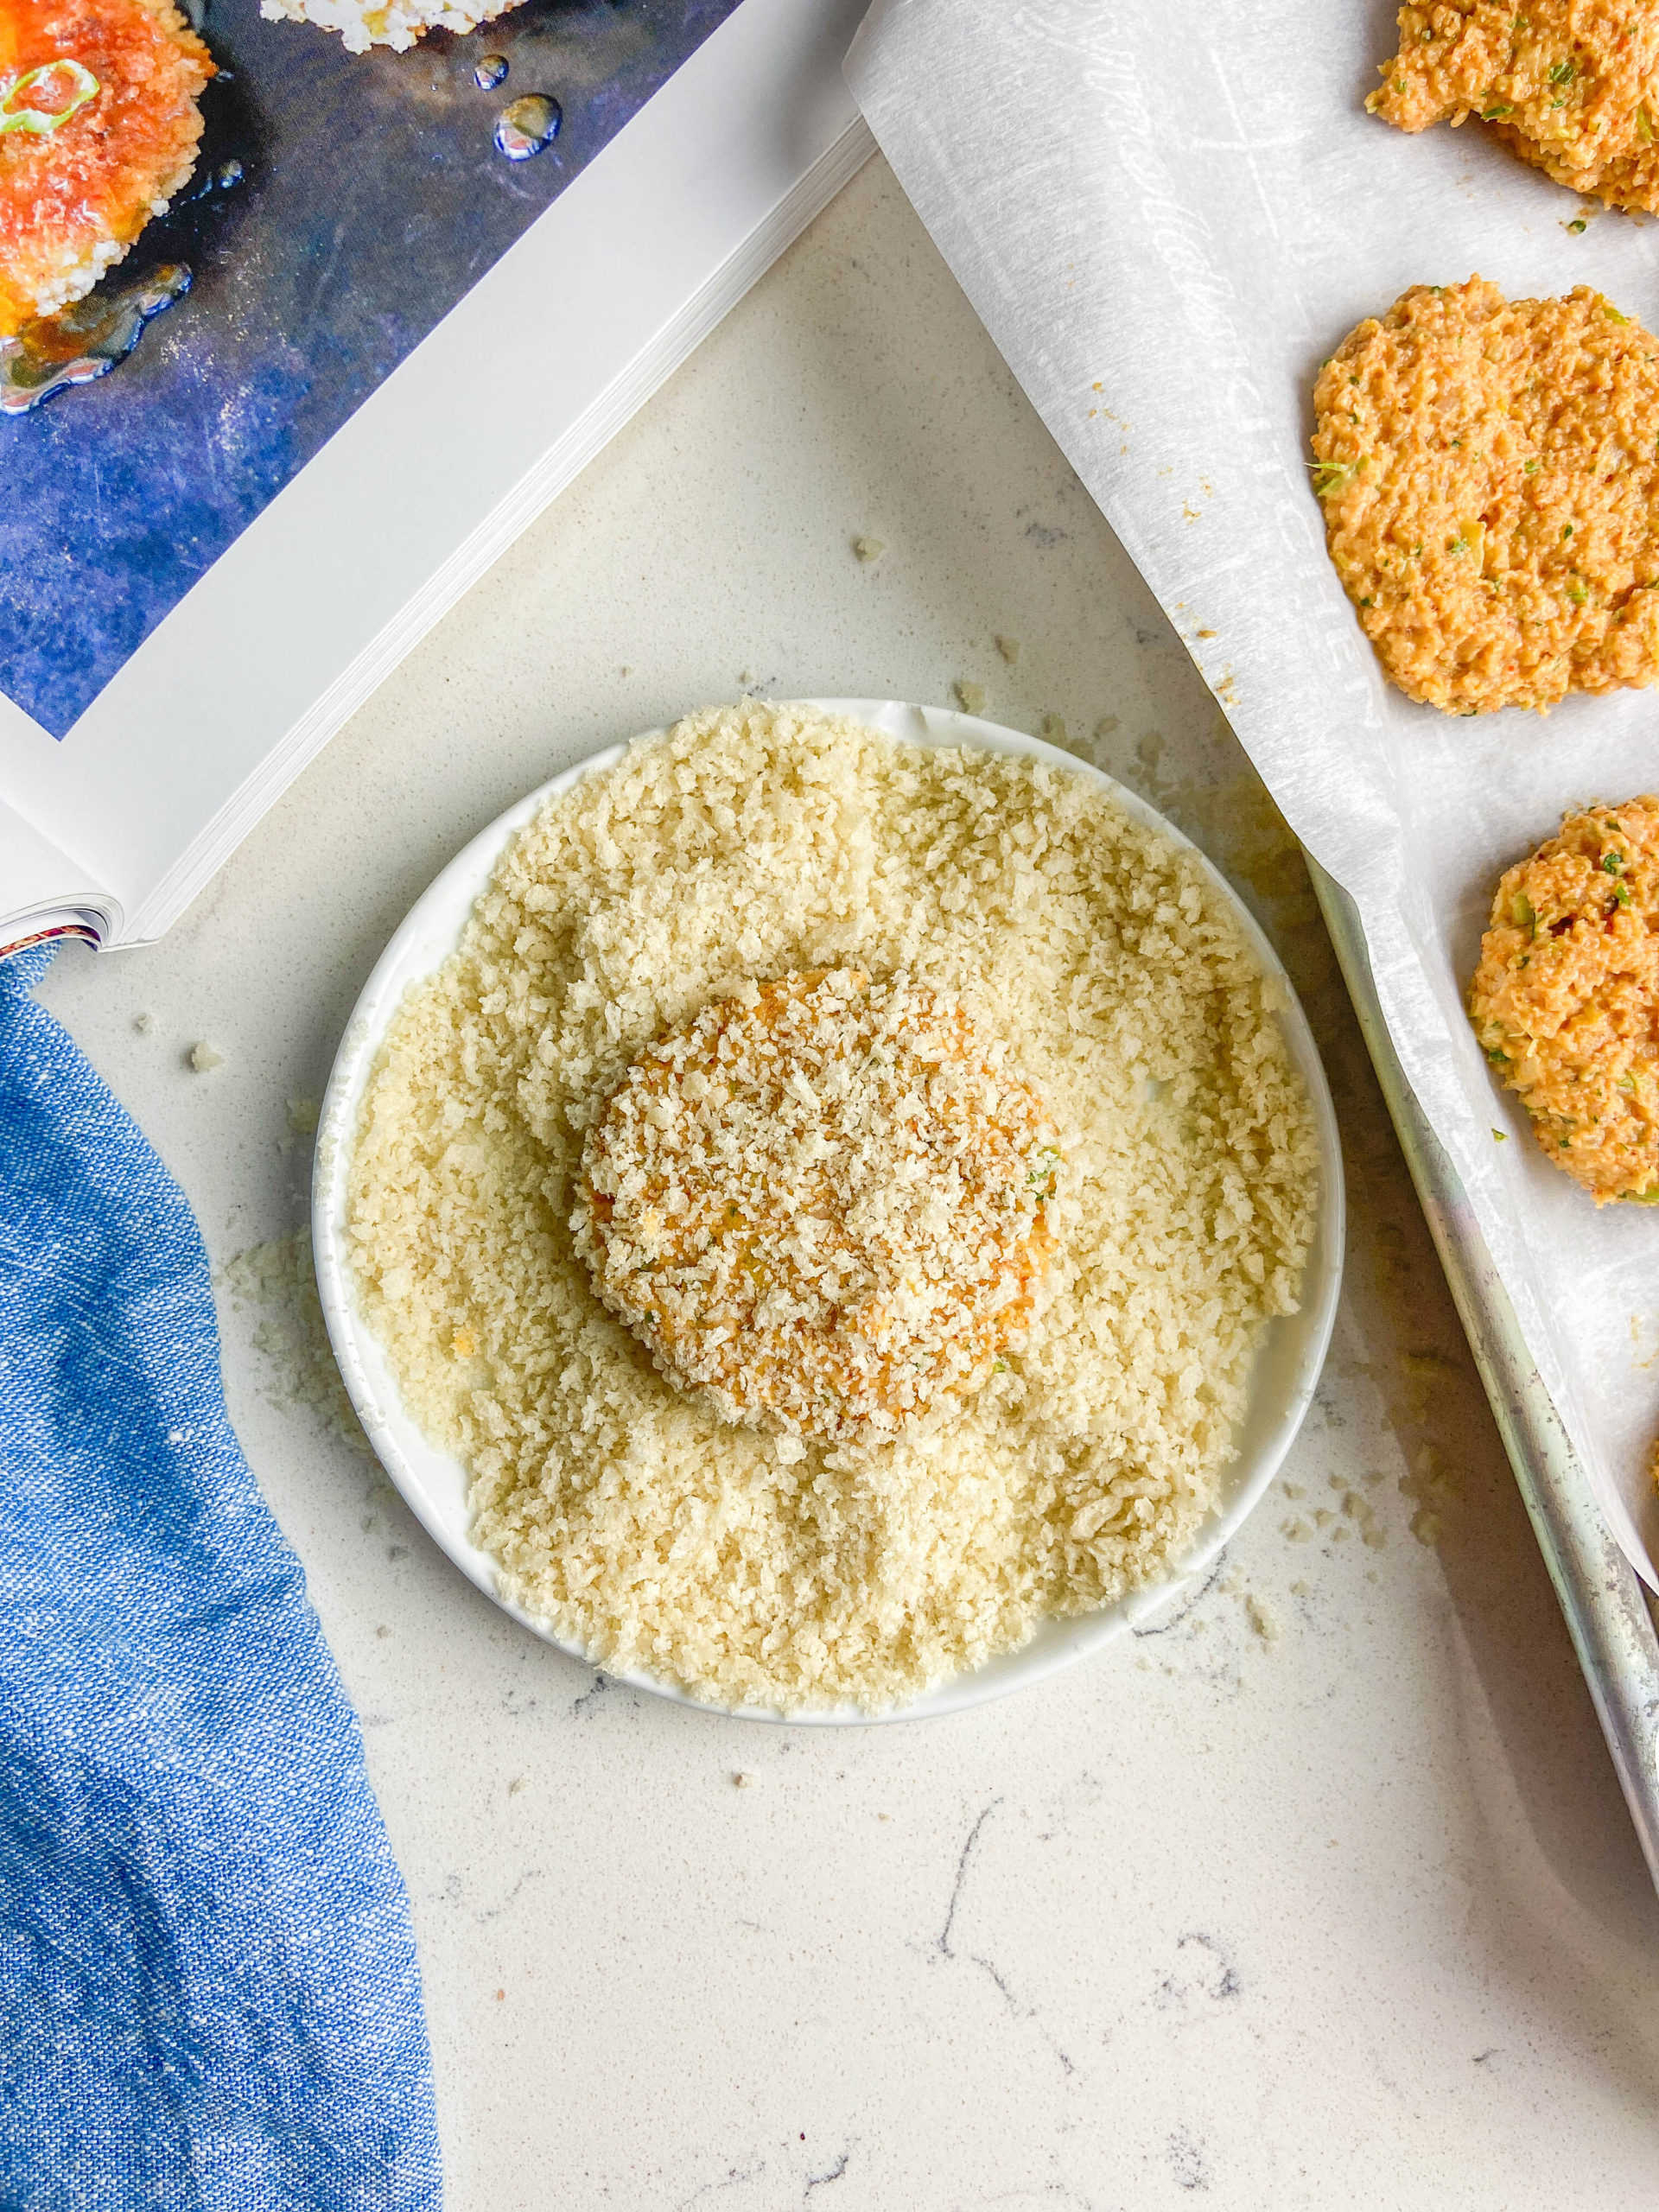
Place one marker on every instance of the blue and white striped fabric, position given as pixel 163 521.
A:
pixel 209 1999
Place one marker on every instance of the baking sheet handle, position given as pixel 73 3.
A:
pixel 1609 1614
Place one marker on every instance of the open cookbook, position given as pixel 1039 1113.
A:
pixel 400 296
pixel 1169 216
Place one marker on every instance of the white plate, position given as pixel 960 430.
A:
pixel 435 1483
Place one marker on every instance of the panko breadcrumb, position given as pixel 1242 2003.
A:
pixel 1566 999
pixel 72 199
pixel 771 841
pixel 1570 85
pixel 1491 488
pixel 822 1203
pixel 397 24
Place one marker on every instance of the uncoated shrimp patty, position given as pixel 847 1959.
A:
pixel 1487 469
pixel 1570 85
pixel 1566 999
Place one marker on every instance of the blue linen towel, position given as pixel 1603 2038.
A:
pixel 209 1999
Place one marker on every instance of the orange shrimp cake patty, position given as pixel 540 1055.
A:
pixel 73 199
pixel 1488 473
pixel 822 1204
pixel 1566 999
pixel 1570 85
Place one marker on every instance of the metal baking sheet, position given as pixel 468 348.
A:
pixel 1609 1613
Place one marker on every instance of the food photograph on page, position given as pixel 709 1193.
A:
pixel 828 1104
pixel 254 217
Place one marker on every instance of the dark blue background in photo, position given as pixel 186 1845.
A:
pixel 373 199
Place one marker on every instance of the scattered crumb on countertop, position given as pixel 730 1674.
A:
pixel 203 1056
pixel 1434 1490
pixel 869 548
pixel 278 1280
pixel 970 696
pixel 1261 1619
pixel 1009 647
pixel 1360 1510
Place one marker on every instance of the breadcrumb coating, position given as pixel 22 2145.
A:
pixel 1571 85
pixel 1566 999
pixel 773 840
pixel 1488 473
pixel 823 1203
pixel 73 199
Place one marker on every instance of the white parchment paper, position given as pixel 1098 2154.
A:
pixel 1167 213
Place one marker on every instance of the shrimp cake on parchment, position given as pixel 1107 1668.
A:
pixel 1566 999
pixel 1570 85
pixel 1487 469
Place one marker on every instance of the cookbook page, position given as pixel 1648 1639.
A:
pixel 1168 215
pixel 339 204
pixel 441 464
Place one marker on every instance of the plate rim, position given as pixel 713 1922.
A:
pixel 1059 1642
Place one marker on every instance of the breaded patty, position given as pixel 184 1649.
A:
pixel 1571 86
pixel 1488 473
pixel 1566 999
pixel 396 23
pixel 74 198
pixel 823 1205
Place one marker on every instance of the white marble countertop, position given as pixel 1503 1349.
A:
pixel 1322 1892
